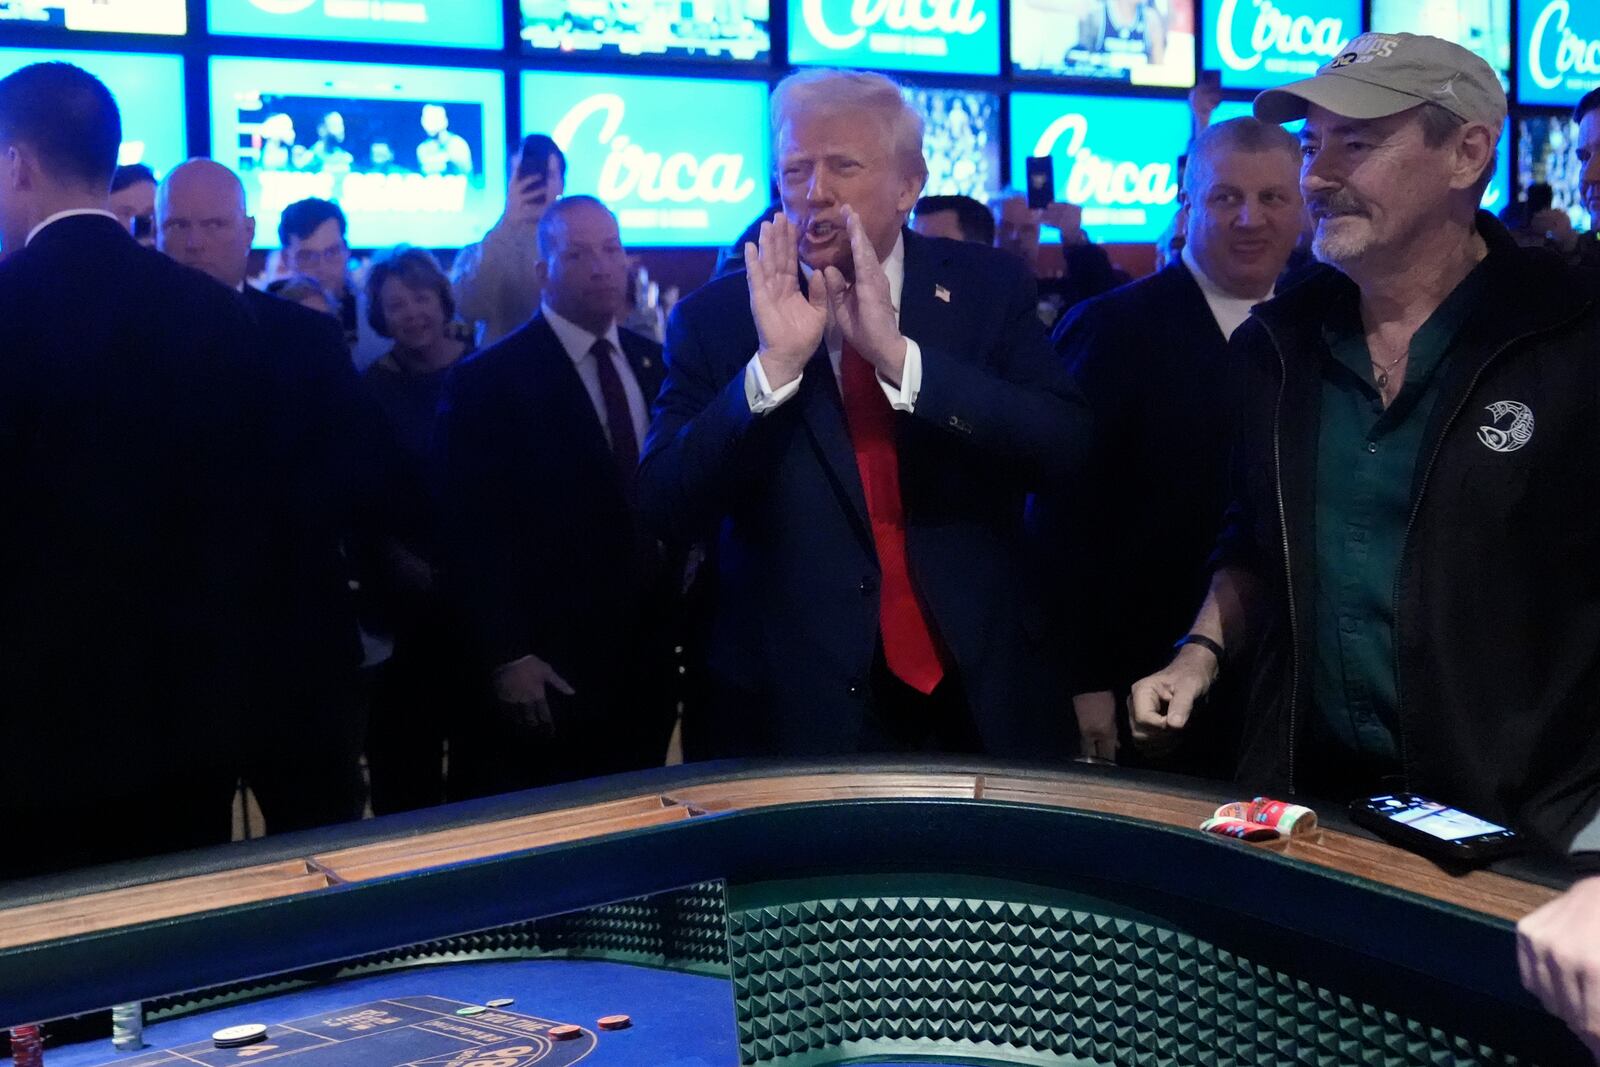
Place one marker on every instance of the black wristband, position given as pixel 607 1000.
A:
pixel 1203 641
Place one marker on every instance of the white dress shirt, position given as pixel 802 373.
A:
pixel 1230 311
pixel 578 341
pixel 69 213
pixel 763 398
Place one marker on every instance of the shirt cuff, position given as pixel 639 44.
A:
pixel 904 397
pixel 1588 839
pixel 759 392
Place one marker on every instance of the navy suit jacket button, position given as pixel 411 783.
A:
pixel 869 585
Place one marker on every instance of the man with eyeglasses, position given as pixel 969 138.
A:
pixel 312 232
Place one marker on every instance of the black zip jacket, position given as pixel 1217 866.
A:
pixel 1498 596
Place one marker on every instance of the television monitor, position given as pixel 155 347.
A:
pixel 96 16
pixel 1257 44
pixel 1480 26
pixel 1558 50
pixel 960 140
pixel 949 37
pixel 1545 154
pixel 686 29
pixel 412 154
pixel 460 23
pixel 149 93
pixel 674 174
pixel 1117 158
pixel 1140 42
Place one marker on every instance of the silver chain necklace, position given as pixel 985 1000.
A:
pixel 1383 372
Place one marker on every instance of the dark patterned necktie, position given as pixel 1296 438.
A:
pixel 619 417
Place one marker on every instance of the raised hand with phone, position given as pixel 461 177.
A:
pixel 496 285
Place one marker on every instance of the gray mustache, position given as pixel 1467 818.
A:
pixel 1339 203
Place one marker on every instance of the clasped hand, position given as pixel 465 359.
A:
pixel 790 320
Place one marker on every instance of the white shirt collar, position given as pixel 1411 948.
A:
pixel 894 268
pixel 67 214
pixel 574 338
pixel 1211 288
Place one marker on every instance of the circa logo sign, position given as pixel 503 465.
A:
pixel 1278 32
pixel 630 170
pixel 1104 181
pixel 1555 51
pixel 950 17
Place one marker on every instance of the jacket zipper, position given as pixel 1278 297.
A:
pixel 1411 522
pixel 1288 572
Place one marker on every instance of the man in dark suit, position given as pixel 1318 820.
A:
pixel 306 727
pixel 130 447
pixel 862 414
pixel 568 602
pixel 1134 538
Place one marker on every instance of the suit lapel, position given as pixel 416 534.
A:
pixel 647 367
pixel 924 316
pixel 823 410
pixel 551 371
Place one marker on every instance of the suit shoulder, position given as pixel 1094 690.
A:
pixel 292 317
pixel 495 361
pixel 715 297
pixel 638 342
pixel 975 260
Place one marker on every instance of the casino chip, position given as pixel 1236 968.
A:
pixel 615 1022
pixel 472 1009
pixel 566 1033
pixel 500 1002
pixel 238 1036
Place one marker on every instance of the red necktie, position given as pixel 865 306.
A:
pixel 908 643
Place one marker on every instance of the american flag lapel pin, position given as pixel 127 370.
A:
pixel 941 293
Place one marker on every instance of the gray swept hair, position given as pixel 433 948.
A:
pixel 853 92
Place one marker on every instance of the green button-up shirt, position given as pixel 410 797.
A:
pixel 1366 460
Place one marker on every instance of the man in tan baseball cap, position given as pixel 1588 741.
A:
pixel 1382 74
pixel 1411 412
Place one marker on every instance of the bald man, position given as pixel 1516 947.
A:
pixel 306 733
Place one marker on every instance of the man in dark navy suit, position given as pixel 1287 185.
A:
pixel 303 758
pixel 130 450
pixel 569 603
pixel 862 414
pixel 1135 538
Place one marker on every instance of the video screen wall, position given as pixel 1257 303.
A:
pixel 662 104
pixel 463 23
pixel 96 16
pixel 1256 44
pixel 1544 154
pixel 1116 158
pixel 940 38
pixel 1558 45
pixel 690 29
pixel 960 140
pixel 149 90
pixel 410 153
pixel 1149 42
pixel 674 174
pixel 1480 26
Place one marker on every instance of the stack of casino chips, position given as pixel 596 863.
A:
pixel 1261 819
pixel 27 1046
pixel 127 1027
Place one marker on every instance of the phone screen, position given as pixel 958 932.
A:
pixel 1041 181
pixel 1433 818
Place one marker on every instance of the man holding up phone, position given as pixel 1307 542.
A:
pixel 495 282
